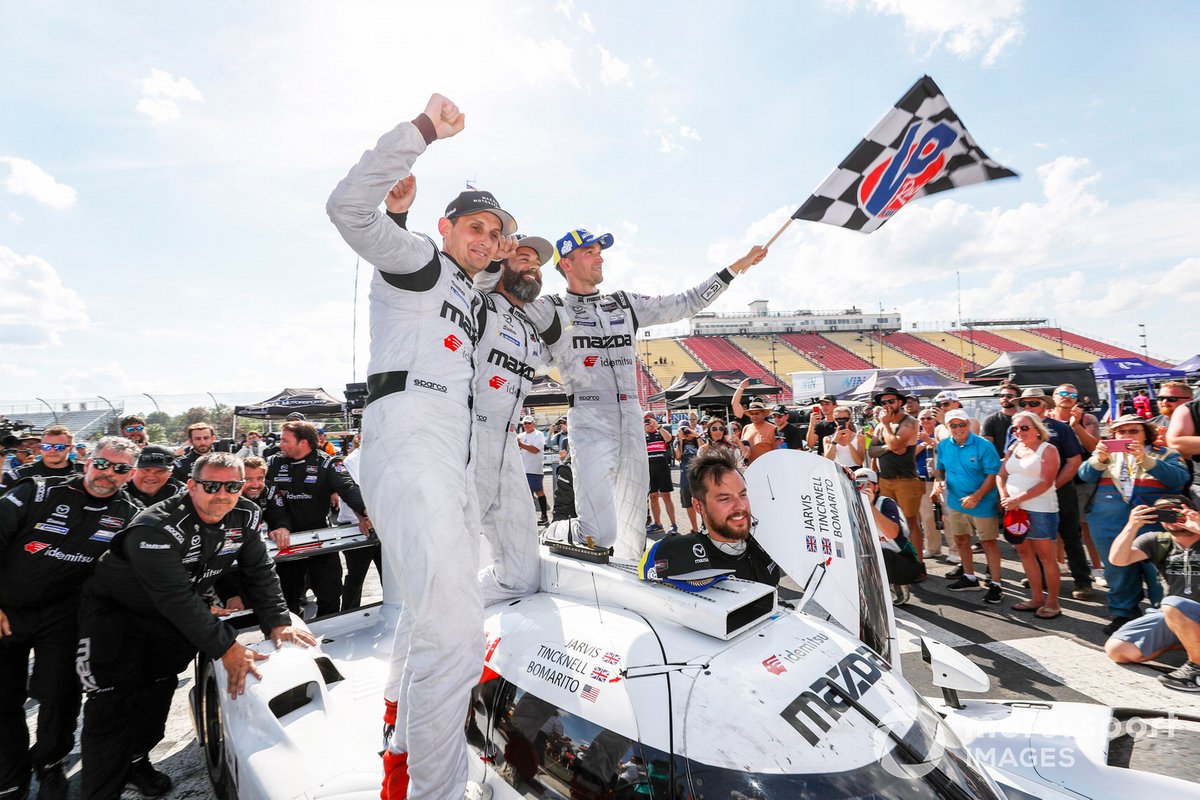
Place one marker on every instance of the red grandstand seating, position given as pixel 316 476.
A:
pixel 1102 349
pixel 824 352
pixel 991 340
pixel 647 385
pixel 717 353
pixel 943 360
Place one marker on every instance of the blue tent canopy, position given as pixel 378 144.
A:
pixel 1129 369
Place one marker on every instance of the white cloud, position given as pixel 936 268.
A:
pixel 35 306
pixel 16 218
pixel 27 178
pixel 160 93
pixel 565 7
pixel 671 134
pixel 964 27
pixel 542 63
pixel 613 70
pixel 688 132
pixel 585 22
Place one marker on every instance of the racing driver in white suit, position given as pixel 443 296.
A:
pixel 415 475
pixel 592 340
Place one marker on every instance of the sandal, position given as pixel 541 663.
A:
pixel 1026 605
pixel 1047 613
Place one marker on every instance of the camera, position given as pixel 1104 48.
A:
pixel 1167 513
pixel 842 423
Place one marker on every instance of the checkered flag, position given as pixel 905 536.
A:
pixel 919 147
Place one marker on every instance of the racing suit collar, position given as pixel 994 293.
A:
pixel 462 272
pixel 585 298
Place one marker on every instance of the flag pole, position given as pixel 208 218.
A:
pixel 779 232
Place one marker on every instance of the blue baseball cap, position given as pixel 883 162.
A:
pixel 682 562
pixel 580 238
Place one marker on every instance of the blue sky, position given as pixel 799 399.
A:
pixel 164 169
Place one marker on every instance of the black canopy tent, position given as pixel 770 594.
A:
pixel 309 402
pixel 1038 368
pixel 719 385
pixel 712 392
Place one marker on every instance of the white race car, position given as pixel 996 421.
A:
pixel 606 686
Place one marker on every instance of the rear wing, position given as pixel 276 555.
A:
pixel 321 541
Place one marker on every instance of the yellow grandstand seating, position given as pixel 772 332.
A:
pixel 885 357
pixel 1049 345
pixel 949 342
pixel 787 360
pixel 666 359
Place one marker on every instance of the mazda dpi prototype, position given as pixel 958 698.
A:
pixel 606 686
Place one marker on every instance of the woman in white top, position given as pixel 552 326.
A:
pixel 719 439
pixel 847 446
pixel 1026 481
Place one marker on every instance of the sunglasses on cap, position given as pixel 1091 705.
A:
pixel 58 448
pixel 1067 394
pixel 103 464
pixel 1029 403
pixel 212 487
pixel 134 428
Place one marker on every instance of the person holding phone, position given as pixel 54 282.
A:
pixel 1125 471
pixel 1175 551
pixel 846 445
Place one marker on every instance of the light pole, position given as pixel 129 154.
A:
pixel 1142 334
pixel 111 408
pixel 52 411
pixel 152 400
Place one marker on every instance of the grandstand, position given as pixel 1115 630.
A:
pixel 1051 346
pixel 861 344
pixel 718 353
pixel 822 352
pixel 956 345
pixel 990 340
pixel 83 423
pixel 1101 349
pixel 772 352
pixel 928 353
pixel 667 360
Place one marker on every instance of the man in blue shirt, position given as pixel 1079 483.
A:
pixel 967 465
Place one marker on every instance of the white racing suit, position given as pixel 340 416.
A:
pixel 592 340
pixel 415 463
pixel 508 354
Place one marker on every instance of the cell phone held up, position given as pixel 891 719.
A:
pixel 1166 514
pixel 1118 445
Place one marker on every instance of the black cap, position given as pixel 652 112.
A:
pixel 473 201
pixel 780 410
pixel 10 442
pixel 885 391
pixel 827 398
pixel 155 455
pixel 296 415
pixel 682 561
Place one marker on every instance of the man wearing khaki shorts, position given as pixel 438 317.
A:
pixel 967 465
pixel 894 448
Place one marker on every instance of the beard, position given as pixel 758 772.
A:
pixel 515 284
pixel 737 530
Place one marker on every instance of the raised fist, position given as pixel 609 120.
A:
pixel 402 195
pixel 447 119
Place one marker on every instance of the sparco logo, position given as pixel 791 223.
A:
pixel 496 382
pixel 513 365
pixel 819 707
pixel 35 547
pixel 588 398
pixel 460 319
pixel 590 361
pixel 607 342
pixel 424 384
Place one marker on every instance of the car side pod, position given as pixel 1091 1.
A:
pixel 952 671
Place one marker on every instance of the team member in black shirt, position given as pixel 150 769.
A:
pixel 52 531
pixel 300 484
pixel 144 616
pixel 55 461
pixel 152 483
pixel 719 494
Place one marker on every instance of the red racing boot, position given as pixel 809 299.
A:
pixel 395 776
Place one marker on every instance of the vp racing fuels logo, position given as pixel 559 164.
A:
pixel 894 182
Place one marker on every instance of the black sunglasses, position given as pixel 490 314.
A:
pixel 717 428
pixel 1030 404
pixel 1171 399
pixel 212 487
pixel 103 464
pixel 1022 428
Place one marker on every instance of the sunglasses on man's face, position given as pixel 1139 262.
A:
pixel 1169 399
pixel 1030 404
pixel 716 428
pixel 945 403
pixel 212 487
pixel 956 425
pixel 103 464
pixel 134 428
pixel 1068 394
pixel 1008 397
pixel 58 448
pixel 889 401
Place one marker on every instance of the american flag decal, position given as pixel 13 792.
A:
pixel 590 693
